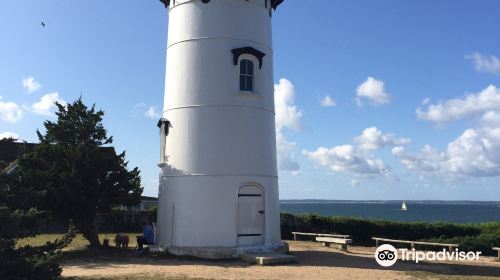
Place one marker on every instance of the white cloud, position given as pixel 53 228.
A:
pixel 372 90
pixel 470 154
pixel 426 101
pixel 285 150
pixel 327 101
pixel 10 111
pixel 147 111
pixel 347 158
pixel 428 160
pixel 398 151
pixel 483 63
pixel 357 159
pixel 475 153
pixel 491 118
pixel 152 113
pixel 459 108
pixel 9 134
pixel 30 84
pixel 288 116
pixel 46 103
pixel 373 139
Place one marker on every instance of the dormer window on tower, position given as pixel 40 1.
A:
pixel 246 75
pixel 248 58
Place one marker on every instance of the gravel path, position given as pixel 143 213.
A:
pixel 315 262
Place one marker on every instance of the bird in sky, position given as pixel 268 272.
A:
pixel 43 24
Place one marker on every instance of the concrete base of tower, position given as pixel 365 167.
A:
pixel 220 252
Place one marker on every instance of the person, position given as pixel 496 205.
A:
pixel 147 237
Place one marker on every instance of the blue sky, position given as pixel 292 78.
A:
pixel 378 61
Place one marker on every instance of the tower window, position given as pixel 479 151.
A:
pixel 246 75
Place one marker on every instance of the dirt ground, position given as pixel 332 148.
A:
pixel 315 262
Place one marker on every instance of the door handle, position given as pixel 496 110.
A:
pixel 261 212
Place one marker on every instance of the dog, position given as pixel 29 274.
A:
pixel 121 240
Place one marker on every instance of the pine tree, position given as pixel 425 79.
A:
pixel 74 174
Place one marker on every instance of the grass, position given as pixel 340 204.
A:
pixel 78 243
pixel 79 250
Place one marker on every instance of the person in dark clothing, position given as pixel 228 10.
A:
pixel 147 237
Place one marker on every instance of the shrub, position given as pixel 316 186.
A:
pixel 38 263
pixel 488 237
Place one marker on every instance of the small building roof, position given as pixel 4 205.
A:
pixel 10 151
pixel 148 198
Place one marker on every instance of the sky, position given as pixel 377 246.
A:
pixel 375 100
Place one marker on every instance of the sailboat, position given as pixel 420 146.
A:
pixel 403 207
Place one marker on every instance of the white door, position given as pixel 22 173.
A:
pixel 251 216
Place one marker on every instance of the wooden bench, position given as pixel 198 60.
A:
pixel 295 233
pixel 343 242
pixel 498 250
pixel 413 243
pixel 327 238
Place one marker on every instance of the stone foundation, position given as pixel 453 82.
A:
pixel 220 252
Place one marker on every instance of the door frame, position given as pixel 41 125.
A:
pixel 259 186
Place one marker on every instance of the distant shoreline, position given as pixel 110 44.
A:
pixel 451 211
pixel 389 201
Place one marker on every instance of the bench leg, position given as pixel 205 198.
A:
pixel 412 245
pixel 343 247
pixel 376 243
pixel 294 237
pixel 450 248
pixel 498 255
pixel 326 244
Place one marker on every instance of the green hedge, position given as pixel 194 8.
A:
pixel 489 237
pixel 476 237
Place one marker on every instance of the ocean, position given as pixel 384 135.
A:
pixel 428 211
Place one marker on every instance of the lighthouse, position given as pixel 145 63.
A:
pixel 218 186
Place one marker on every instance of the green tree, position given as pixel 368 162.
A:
pixel 28 262
pixel 73 174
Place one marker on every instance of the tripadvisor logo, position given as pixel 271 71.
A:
pixel 386 255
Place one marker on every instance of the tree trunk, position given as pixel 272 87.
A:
pixel 89 231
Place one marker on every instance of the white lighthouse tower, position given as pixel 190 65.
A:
pixel 218 193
